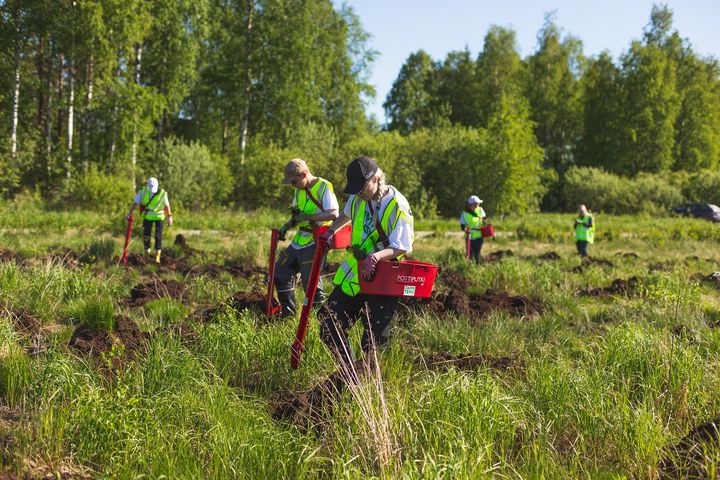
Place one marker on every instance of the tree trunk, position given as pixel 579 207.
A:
pixel 61 81
pixel 86 114
pixel 49 117
pixel 248 80
pixel 113 119
pixel 70 121
pixel 133 155
pixel 225 134
pixel 15 106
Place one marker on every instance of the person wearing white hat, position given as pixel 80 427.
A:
pixel 472 220
pixel 154 207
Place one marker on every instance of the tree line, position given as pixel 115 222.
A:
pixel 97 94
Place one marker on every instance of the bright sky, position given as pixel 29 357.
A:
pixel 400 27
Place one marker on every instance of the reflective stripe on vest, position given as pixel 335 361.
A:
pixel 474 223
pixel 155 208
pixel 583 233
pixel 347 276
pixel 307 206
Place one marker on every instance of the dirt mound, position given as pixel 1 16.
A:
pixel 30 329
pixel 253 301
pixel 154 289
pixel 94 342
pixel 180 240
pixel 617 287
pixel 627 255
pixel 241 270
pixel 590 261
pixel 477 306
pixel 452 279
pixel 687 457
pixel 472 362
pixel 315 405
pixel 10 256
pixel 661 267
pixel 499 255
pixel 713 278
pixel 549 256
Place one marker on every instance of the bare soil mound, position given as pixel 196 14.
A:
pixel 627 255
pixel 313 407
pixel 154 289
pixel 445 361
pixel 687 458
pixel 549 256
pixel 477 306
pixel 498 255
pixel 95 342
pixel 617 287
pixel 452 279
pixel 253 301
pixel 713 278
pixel 241 270
pixel 10 256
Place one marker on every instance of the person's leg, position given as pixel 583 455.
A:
pixel 585 249
pixel 305 259
pixel 376 317
pixel 286 268
pixel 158 234
pixel 582 248
pixel 147 230
pixel 336 317
pixel 475 246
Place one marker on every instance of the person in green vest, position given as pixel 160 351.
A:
pixel 584 230
pixel 154 208
pixel 314 204
pixel 382 229
pixel 472 220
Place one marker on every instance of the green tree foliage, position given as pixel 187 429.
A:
pixel 408 104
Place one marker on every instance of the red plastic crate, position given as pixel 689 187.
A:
pixel 406 278
pixel 341 239
pixel 487 231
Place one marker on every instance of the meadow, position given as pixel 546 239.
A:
pixel 530 365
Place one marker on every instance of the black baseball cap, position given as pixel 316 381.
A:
pixel 359 172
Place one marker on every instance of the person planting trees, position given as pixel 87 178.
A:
pixel 154 207
pixel 584 231
pixel 382 229
pixel 472 220
pixel 314 204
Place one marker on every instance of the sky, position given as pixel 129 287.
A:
pixel 400 27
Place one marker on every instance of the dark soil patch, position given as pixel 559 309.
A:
pixel 617 287
pixel 253 301
pixel 590 261
pixel 241 270
pixel 313 407
pixel 477 306
pixel 549 256
pixel 95 343
pixel 686 458
pixel 180 240
pixel 661 267
pixel 713 278
pixel 154 289
pixel 29 328
pixel 627 255
pixel 452 279
pixel 10 256
pixel 498 255
pixel 472 362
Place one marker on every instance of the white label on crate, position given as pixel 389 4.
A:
pixel 409 291
pixel 410 279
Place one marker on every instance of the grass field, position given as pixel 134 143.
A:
pixel 527 366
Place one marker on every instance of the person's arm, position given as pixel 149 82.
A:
pixel 328 215
pixel 339 222
pixel 389 253
pixel 132 209
pixel 589 223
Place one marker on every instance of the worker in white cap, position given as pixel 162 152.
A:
pixel 154 207
pixel 472 220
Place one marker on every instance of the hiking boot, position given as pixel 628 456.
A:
pixel 148 251
pixel 157 257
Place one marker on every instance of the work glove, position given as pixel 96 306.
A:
pixel 367 267
pixel 129 218
pixel 328 237
pixel 170 220
pixel 282 232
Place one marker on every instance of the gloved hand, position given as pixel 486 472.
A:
pixel 367 267
pixel 129 218
pixel 328 237
pixel 170 220
pixel 282 232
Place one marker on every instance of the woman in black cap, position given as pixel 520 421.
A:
pixel 382 229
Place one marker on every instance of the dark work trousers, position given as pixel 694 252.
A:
pixel 475 247
pixel 147 230
pixel 582 247
pixel 340 313
pixel 291 261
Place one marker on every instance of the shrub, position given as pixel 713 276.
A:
pixel 702 187
pixel 192 176
pixel 96 191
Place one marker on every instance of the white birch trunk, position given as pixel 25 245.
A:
pixel 70 122
pixel 133 155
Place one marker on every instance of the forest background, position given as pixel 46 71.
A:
pixel 214 96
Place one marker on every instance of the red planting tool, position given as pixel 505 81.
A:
pixel 298 346
pixel 269 309
pixel 127 239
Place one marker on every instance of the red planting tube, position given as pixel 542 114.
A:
pixel 467 243
pixel 298 345
pixel 269 310
pixel 127 239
